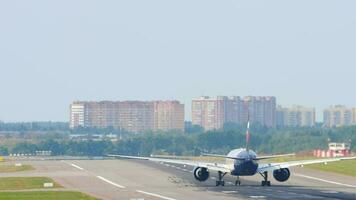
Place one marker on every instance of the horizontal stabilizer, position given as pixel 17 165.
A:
pixel 258 158
pixel 222 156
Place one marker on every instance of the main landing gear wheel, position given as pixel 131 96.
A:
pixel 265 181
pixel 221 181
pixel 238 182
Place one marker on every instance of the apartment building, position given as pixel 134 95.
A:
pixel 213 113
pixel 295 116
pixel 76 115
pixel 259 109
pixel 168 115
pixel 353 116
pixel 132 116
pixel 339 115
pixel 210 113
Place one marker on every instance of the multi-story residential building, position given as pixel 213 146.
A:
pixel 168 115
pixel 259 109
pixel 296 116
pixel 353 116
pixel 135 116
pixel 213 113
pixel 336 116
pixel 76 115
pixel 132 116
pixel 208 113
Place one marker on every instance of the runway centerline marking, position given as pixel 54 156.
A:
pixel 76 166
pixel 110 182
pixel 257 197
pixel 73 165
pixel 154 195
pixel 326 181
pixel 229 191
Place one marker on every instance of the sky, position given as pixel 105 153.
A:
pixel 55 52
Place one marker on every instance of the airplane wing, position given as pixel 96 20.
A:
pixel 273 166
pixel 208 165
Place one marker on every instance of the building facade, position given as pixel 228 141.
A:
pixel 260 109
pixel 168 115
pixel 131 116
pixel 208 113
pixel 353 116
pixel 296 116
pixel 76 117
pixel 336 116
pixel 213 113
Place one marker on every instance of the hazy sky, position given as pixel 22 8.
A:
pixel 55 52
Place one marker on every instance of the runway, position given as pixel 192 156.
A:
pixel 138 180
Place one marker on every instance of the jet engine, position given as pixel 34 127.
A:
pixel 201 174
pixel 281 175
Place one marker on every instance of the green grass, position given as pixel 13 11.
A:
pixel 346 167
pixel 45 196
pixel 20 183
pixel 13 168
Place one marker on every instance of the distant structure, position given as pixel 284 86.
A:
pixel 339 115
pixel 335 150
pixel 353 116
pixel 295 116
pixel 213 113
pixel 132 116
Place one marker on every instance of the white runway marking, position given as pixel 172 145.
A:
pixel 73 165
pixel 326 181
pixel 330 192
pixel 76 166
pixel 257 197
pixel 229 192
pixel 154 195
pixel 110 182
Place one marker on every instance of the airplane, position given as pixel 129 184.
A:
pixel 240 162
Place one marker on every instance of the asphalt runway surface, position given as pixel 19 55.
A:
pixel 144 180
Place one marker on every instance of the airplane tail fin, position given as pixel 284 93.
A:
pixel 248 135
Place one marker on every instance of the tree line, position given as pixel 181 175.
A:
pixel 263 140
pixel 34 126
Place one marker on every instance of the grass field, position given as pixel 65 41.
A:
pixel 13 168
pixel 45 196
pixel 346 167
pixel 20 183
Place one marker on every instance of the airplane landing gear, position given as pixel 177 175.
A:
pixel 265 181
pixel 221 181
pixel 238 182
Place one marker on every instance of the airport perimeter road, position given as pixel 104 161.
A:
pixel 132 180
